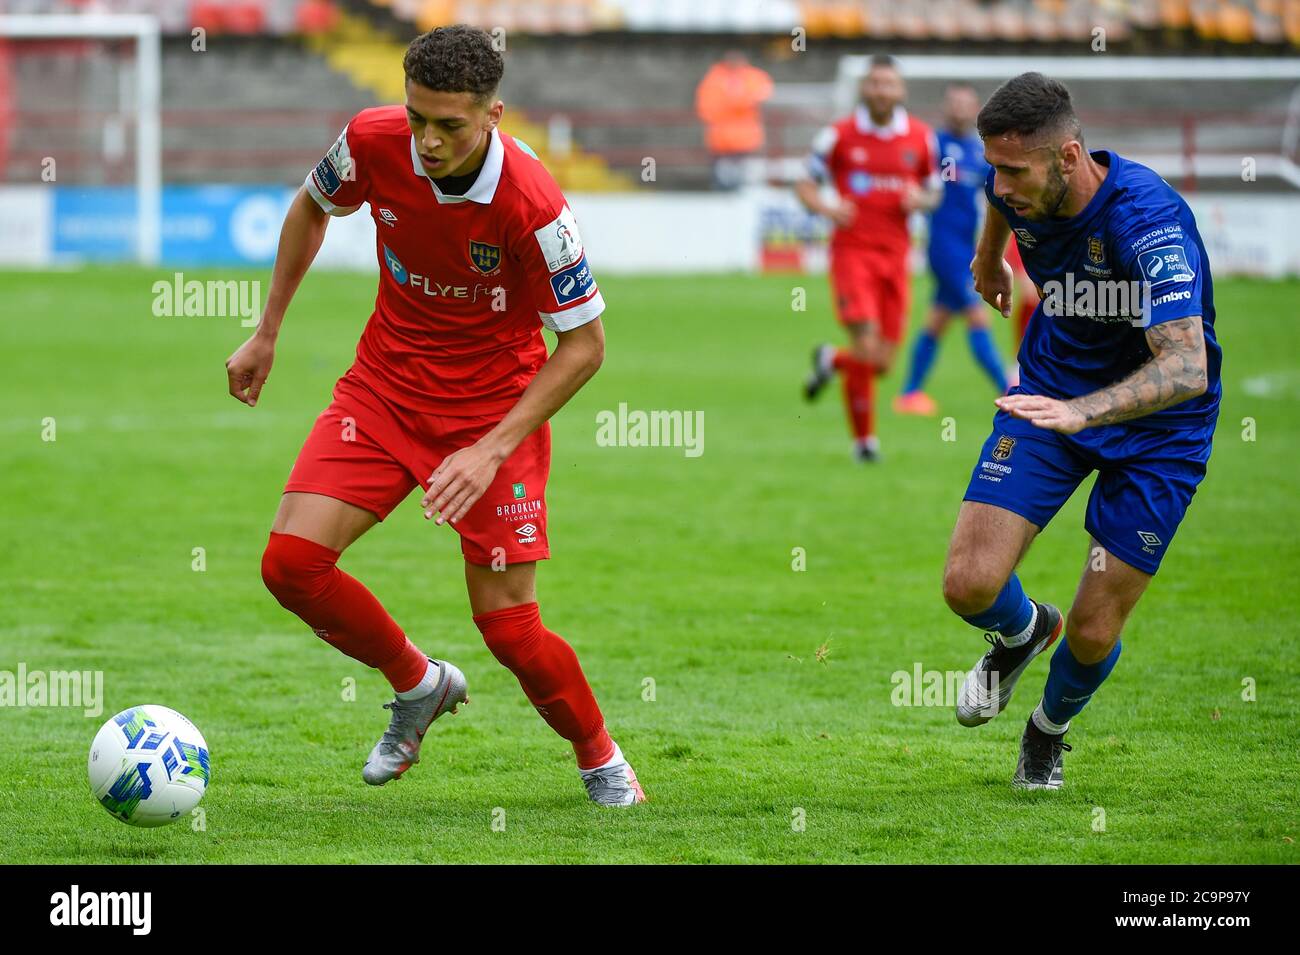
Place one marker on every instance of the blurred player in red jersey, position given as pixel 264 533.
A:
pixel 451 390
pixel 883 164
pixel 1026 301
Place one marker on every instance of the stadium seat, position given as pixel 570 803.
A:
pixel 1291 21
pixel 1175 14
pixel 315 16
pixel 1236 23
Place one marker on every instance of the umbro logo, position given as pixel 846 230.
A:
pixel 389 217
pixel 527 533
pixel 1151 540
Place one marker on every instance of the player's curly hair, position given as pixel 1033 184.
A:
pixel 1030 105
pixel 455 59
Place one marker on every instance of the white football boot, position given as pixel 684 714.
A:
pixel 613 784
pixel 399 748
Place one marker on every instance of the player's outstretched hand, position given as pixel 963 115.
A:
pixel 1043 412
pixel 843 213
pixel 912 197
pixel 993 282
pixel 458 483
pixel 248 368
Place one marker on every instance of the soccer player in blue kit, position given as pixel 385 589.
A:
pixel 1129 391
pixel 953 227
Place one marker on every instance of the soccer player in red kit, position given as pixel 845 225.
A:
pixel 1026 302
pixel 452 389
pixel 883 165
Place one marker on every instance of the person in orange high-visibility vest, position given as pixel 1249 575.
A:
pixel 728 102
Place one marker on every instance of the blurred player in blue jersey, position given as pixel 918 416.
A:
pixel 953 227
pixel 1119 374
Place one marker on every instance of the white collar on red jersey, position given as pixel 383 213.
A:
pixel 485 186
pixel 897 125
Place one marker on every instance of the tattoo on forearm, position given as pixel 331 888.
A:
pixel 1175 373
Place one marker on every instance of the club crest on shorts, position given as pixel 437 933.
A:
pixel 1002 450
pixel 486 258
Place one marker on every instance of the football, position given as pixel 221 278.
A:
pixel 149 766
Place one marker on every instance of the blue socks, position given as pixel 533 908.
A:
pixel 1010 613
pixel 923 352
pixel 926 347
pixel 986 353
pixel 1070 684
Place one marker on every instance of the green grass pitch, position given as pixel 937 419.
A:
pixel 756 747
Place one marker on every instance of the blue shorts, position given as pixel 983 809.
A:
pixel 954 289
pixel 1145 480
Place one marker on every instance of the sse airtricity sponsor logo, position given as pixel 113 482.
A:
pixel 1166 264
pixel 573 283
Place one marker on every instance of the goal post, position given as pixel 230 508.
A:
pixel 145 32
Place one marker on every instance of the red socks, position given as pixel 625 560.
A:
pixel 858 379
pixel 303 576
pixel 548 670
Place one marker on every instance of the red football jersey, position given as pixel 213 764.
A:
pixel 465 282
pixel 871 166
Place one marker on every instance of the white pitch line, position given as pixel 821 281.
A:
pixel 119 423
pixel 1275 384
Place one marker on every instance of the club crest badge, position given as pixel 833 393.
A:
pixel 1002 450
pixel 1096 252
pixel 486 258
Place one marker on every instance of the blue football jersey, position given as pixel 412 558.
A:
pixel 1136 233
pixel 963 171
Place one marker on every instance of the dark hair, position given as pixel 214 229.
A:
pixel 1029 105
pixel 882 59
pixel 455 59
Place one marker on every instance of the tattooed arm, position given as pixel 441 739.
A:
pixel 1176 372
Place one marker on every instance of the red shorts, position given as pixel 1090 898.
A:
pixel 870 287
pixel 369 452
pixel 1013 256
